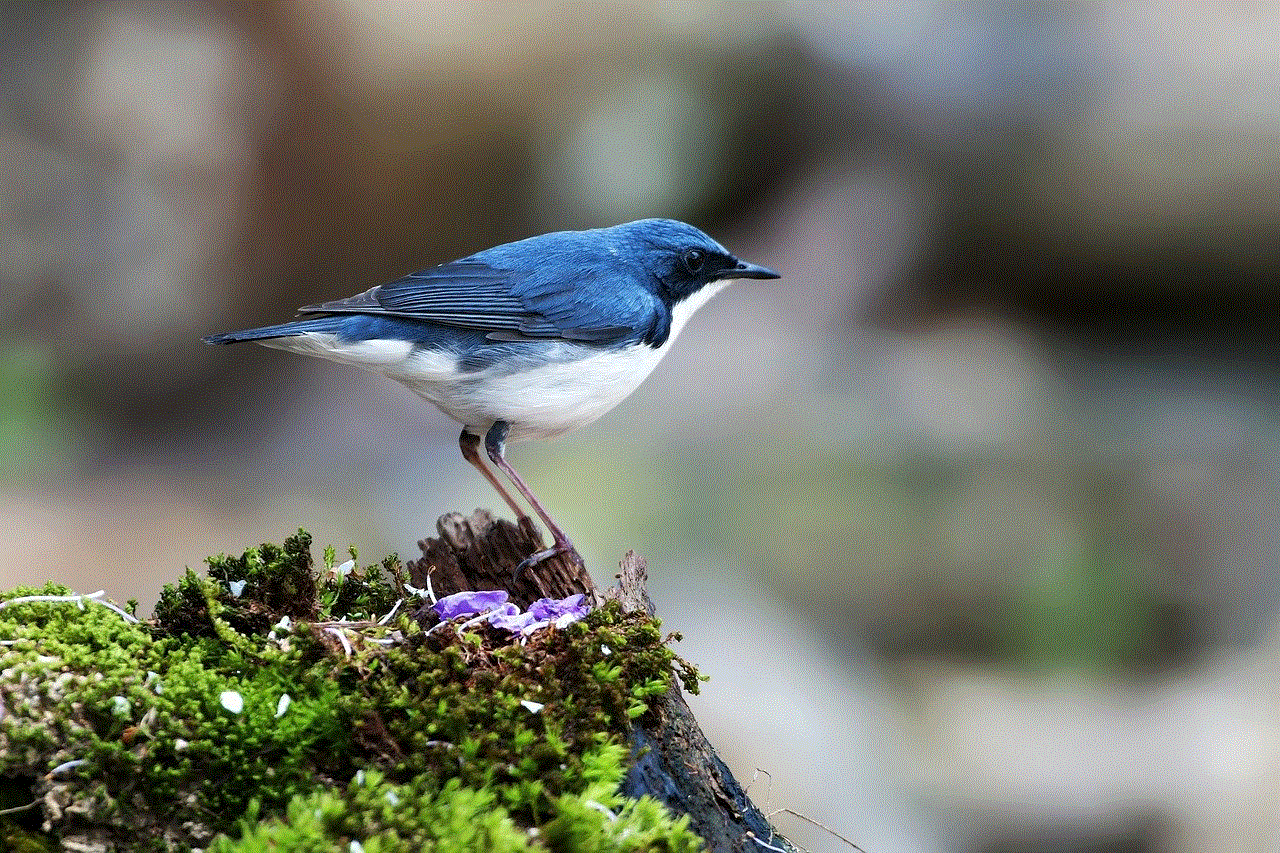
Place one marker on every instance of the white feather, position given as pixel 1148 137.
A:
pixel 371 353
pixel 576 386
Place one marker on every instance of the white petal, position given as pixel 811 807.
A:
pixel 232 701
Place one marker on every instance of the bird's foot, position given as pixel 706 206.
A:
pixel 561 546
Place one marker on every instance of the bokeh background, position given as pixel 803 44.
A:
pixel 972 517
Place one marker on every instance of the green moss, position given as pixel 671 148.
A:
pixel 245 696
pixel 250 593
pixel 451 706
pixel 18 839
pixel 377 816
pixel 144 713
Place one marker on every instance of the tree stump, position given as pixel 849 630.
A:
pixel 672 760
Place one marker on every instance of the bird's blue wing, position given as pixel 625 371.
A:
pixel 463 293
pixel 572 301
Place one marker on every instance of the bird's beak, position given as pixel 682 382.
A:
pixel 746 270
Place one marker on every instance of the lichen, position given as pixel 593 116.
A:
pixel 272 705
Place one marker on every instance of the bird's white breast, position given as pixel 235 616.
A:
pixel 575 386
pixel 551 399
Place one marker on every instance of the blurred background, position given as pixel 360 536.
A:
pixel 971 518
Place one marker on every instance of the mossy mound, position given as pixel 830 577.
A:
pixel 270 706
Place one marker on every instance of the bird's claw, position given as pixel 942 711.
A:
pixel 532 560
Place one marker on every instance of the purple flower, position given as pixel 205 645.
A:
pixel 509 617
pixel 469 603
pixel 552 609
pixel 493 607
pixel 560 612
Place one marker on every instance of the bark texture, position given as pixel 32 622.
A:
pixel 672 759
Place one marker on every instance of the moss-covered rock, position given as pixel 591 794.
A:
pixel 274 706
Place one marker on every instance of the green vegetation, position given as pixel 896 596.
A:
pixel 269 706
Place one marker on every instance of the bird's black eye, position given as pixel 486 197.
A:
pixel 694 259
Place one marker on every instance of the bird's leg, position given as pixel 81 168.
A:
pixel 494 442
pixel 470 444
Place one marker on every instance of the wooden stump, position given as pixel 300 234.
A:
pixel 672 760
pixel 481 552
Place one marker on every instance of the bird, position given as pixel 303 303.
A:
pixel 525 340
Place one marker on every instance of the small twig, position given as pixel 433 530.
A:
pixel 339 627
pixel 17 809
pixel 474 620
pixel 78 600
pixel 128 617
pixel 766 845
pixel 342 638
pixel 756 775
pixel 385 619
pixel 769 814
pixel 346 624
pixel 603 809
pixel 818 824
pixel 460 626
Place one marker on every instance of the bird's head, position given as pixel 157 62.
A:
pixel 680 258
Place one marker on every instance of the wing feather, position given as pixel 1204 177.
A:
pixel 517 302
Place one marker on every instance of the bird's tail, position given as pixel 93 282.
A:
pixel 281 330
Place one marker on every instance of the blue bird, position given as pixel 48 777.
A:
pixel 529 339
